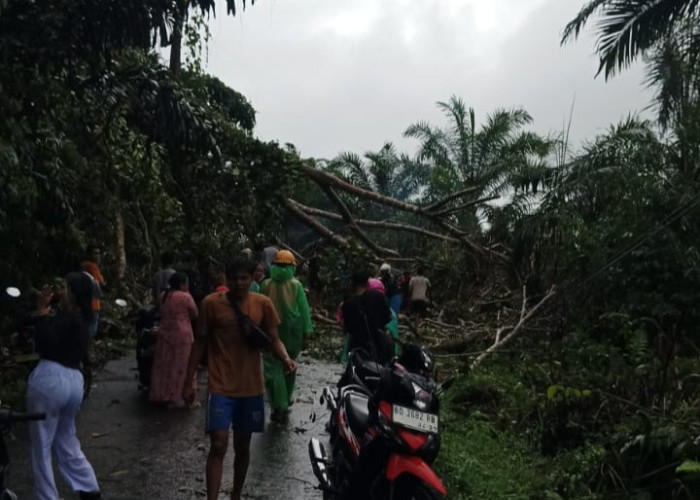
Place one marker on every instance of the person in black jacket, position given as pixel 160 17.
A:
pixel 365 314
pixel 55 387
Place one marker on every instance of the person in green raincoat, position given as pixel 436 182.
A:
pixel 289 298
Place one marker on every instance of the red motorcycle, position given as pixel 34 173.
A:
pixel 382 441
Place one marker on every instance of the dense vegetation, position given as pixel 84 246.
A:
pixel 596 397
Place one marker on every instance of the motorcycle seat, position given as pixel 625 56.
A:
pixel 357 410
pixel 367 373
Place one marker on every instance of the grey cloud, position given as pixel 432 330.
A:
pixel 327 93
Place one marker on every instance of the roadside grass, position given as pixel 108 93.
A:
pixel 477 460
pixel 491 429
pixel 481 455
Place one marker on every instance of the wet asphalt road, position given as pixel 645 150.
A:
pixel 142 452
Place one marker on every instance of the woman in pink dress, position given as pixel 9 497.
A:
pixel 174 343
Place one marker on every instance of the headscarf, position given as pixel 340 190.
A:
pixel 280 274
pixel 283 290
pixel 287 295
pixel 376 284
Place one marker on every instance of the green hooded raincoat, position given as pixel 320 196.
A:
pixel 288 296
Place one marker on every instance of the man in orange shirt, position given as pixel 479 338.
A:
pixel 90 267
pixel 235 382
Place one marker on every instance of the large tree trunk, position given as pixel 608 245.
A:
pixel 121 246
pixel 176 39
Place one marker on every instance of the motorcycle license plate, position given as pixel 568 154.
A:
pixel 414 419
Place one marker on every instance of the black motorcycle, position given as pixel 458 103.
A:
pixel 361 369
pixel 383 434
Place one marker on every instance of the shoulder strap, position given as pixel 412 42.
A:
pixel 240 317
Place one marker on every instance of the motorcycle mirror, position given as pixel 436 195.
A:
pixel 121 302
pixel 13 291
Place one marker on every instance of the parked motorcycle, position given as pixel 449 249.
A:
pixel 7 418
pixel 383 435
pixel 363 371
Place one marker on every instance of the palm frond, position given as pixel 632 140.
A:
pixel 498 130
pixel 353 169
pixel 628 28
pixel 231 5
pixel 674 73
pixel 574 27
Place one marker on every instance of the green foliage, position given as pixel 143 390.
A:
pixel 96 132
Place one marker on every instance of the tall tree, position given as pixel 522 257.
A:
pixel 463 155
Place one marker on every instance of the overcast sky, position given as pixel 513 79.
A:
pixel 347 75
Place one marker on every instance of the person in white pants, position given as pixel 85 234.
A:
pixel 55 387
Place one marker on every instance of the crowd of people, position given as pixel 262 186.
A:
pixel 246 322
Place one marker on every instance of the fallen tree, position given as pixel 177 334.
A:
pixel 331 184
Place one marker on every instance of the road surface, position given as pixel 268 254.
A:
pixel 143 452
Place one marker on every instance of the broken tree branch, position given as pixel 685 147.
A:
pixel 378 224
pixel 443 325
pixel 440 203
pixel 464 206
pixel 325 179
pixel 523 319
pixel 314 224
pixel 350 221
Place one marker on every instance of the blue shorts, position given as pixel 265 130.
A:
pixel 240 414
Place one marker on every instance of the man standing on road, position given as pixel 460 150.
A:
pixel 235 383
pixel 418 291
pixel 90 266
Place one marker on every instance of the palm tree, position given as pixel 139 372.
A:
pixel 385 171
pixel 630 28
pixel 583 201
pixel 674 73
pixel 487 158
